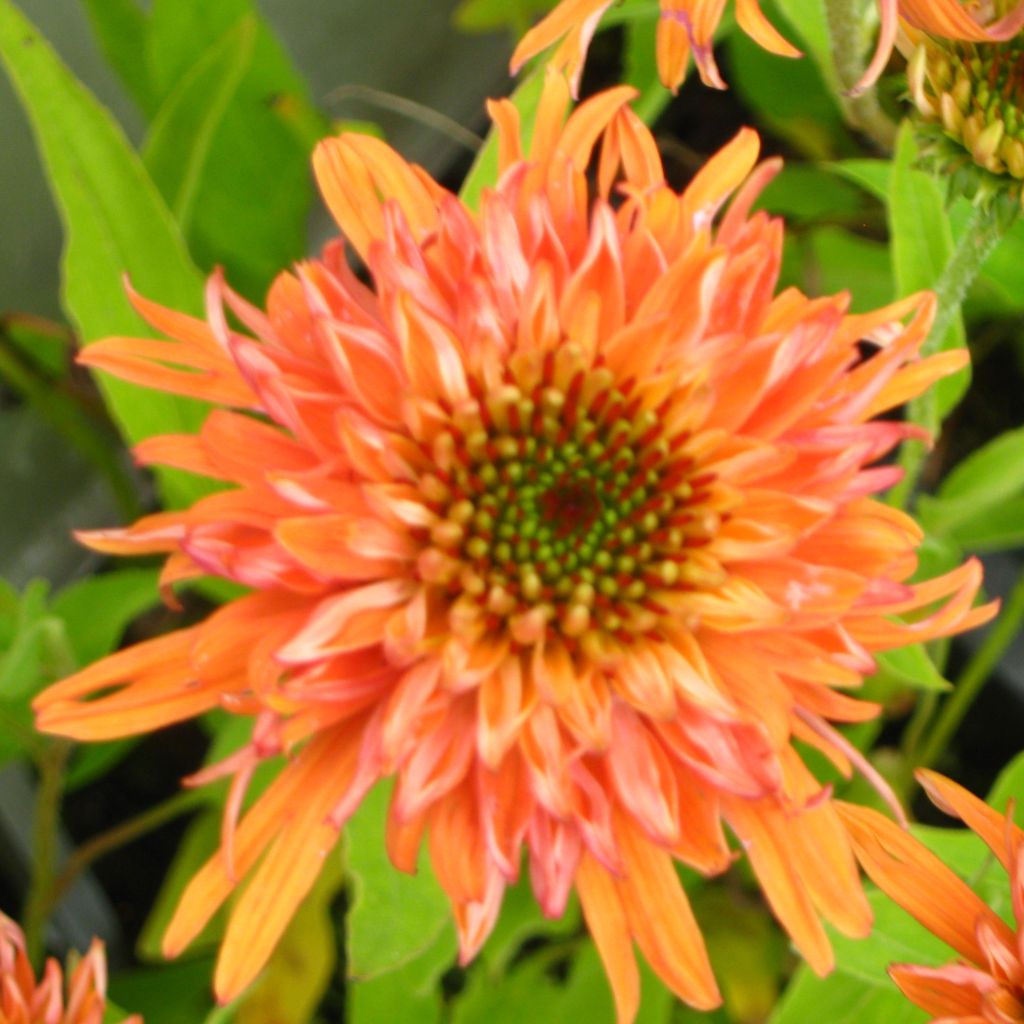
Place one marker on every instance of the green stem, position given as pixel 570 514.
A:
pixel 849 42
pixel 45 826
pixel 116 837
pixel 980 236
pixel 975 674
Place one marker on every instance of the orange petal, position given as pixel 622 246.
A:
pixel 662 922
pixel 606 920
pixel 974 813
pixel 911 875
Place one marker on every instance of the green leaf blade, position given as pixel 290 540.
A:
pixel 116 226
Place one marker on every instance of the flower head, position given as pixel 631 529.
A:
pixel 970 98
pixel 23 1000
pixel 565 523
pixel 688 27
pixel 987 983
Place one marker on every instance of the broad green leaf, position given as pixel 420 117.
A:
pixel 837 260
pixel 872 175
pixel 922 243
pixel 173 993
pixel 842 999
pixel 292 984
pixel 121 28
pixel 996 529
pixel 409 995
pixel 394 916
pixel 806 193
pixel 252 199
pixel 909 668
pixel 97 610
pixel 789 97
pixel 22 659
pixel 528 992
pixel 1009 786
pixel 484 172
pixel 113 1014
pixel 115 223
pixel 179 142
pixel 981 483
pixel 587 994
pixel 23 620
pixel 810 23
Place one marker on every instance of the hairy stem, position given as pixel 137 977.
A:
pixel 45 826
pixel 847 33
pixel 980 236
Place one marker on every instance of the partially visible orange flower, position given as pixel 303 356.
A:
pixel 23 1000
pixel 565 523
pixel 987 984
pixel 688 27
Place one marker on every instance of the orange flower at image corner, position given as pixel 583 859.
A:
pixel 688 27
pixel 987 984
pixel 565 523
pixel 23 1000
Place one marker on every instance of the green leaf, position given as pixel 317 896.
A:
pixel 909 668
pixel 484 172
pixel 922 243
pixel 809 20
pixel 394 917
pixel 173 993
pixel 1009 786
pixel 409 995
pixel 981 484
pixel 789 97
pixel 96 611
pixel 121 28
pixel 182 134
pixel 252 198
pixel 528 992
pixel 835 260
pixel 842 999
pixel 872 175
pixel 115 224
pixel 807 193
pixel 24 620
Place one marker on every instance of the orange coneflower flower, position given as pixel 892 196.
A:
pixel 23 1000
pixel 565 523
pixel 987 984
pixel 688 27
